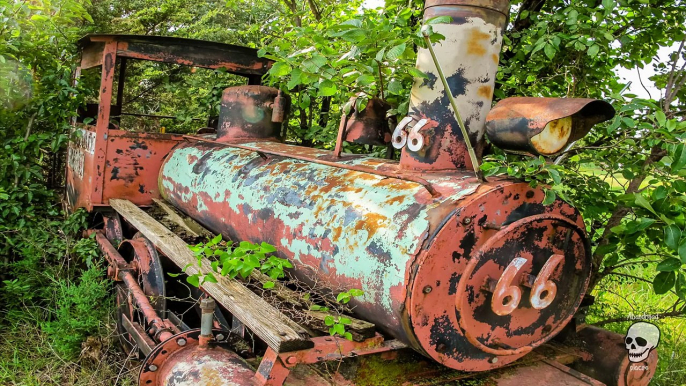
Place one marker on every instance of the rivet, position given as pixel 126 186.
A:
pixel 220 337
pixel 181 342
pixel 493 360
pixel 291 360
pixel 467 220
pixel 427 289
pixel 152 368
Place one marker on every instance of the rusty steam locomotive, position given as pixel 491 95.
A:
pixel 460 275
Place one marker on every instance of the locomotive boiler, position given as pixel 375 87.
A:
pixel 459 273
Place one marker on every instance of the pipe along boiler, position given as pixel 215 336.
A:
pixel 470 273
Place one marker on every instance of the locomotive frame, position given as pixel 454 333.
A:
pixel 114 173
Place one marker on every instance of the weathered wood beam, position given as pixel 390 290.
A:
pixel 278 331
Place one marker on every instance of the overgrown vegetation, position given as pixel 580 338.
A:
pixel 627 176
pixel 241 260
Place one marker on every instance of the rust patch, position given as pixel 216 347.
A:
pixel 485 92
pixel 474 42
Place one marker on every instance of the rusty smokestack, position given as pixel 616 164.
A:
pixel 469 57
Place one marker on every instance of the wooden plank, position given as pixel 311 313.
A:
pixel 359 329
pixel 186 223
pixel 279 332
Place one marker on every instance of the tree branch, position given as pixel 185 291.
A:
pixel 656 153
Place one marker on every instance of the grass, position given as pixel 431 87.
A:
pixel 27 358
pixel 617 298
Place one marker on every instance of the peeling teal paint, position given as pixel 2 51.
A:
pixel 353 229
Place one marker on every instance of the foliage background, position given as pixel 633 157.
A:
pixel 627 176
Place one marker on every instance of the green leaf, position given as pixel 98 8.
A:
pixel 680 286
pixel 245 271
pixel 315 307
pixel 339 329
pixel 269 284
pixel 555 175
pixel 329 321
pixel 348 336
pixel 267 248
pixel 672 236
pixel 395 87
pixel 209 278
pixel 643 203
pixel 356 292
pixel 416 73
pixel 38 17
pixel 343 297
pixel 439 20
pixel 549 51
pixel 395 52
pixel 593 51
pixel 661 118
pixel 679 158
pixel 280 69
pixel 365 80
pixel 344 320
pixel 663 282
pixel 682 251
pixel 295 79
pixel 305 101
pixel 669 264
pixel 327 88
pixel 194 280
pixel 252 261
pixel 550 197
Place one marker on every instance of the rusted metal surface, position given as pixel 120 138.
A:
pixel 150 275
pixel 129 168
pixel 181 361
pixel 275 368
pixel 543 125
pixel 545 373
pixel 199 53
pixel 126 273
pixel 86 156
pixel 247 113
pixel 369 126
pixel 112 227
pixel 324 218
pixel 474 38
pixel 480 330
pixel 311 155
pixel 133 162
pixel 606 359
pixel 104 163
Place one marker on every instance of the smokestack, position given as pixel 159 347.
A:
pixel 469 57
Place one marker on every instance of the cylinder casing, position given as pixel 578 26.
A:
pixel 389 237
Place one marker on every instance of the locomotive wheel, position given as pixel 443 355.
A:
pixel 142 255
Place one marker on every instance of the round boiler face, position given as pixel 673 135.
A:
pixel 502 277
